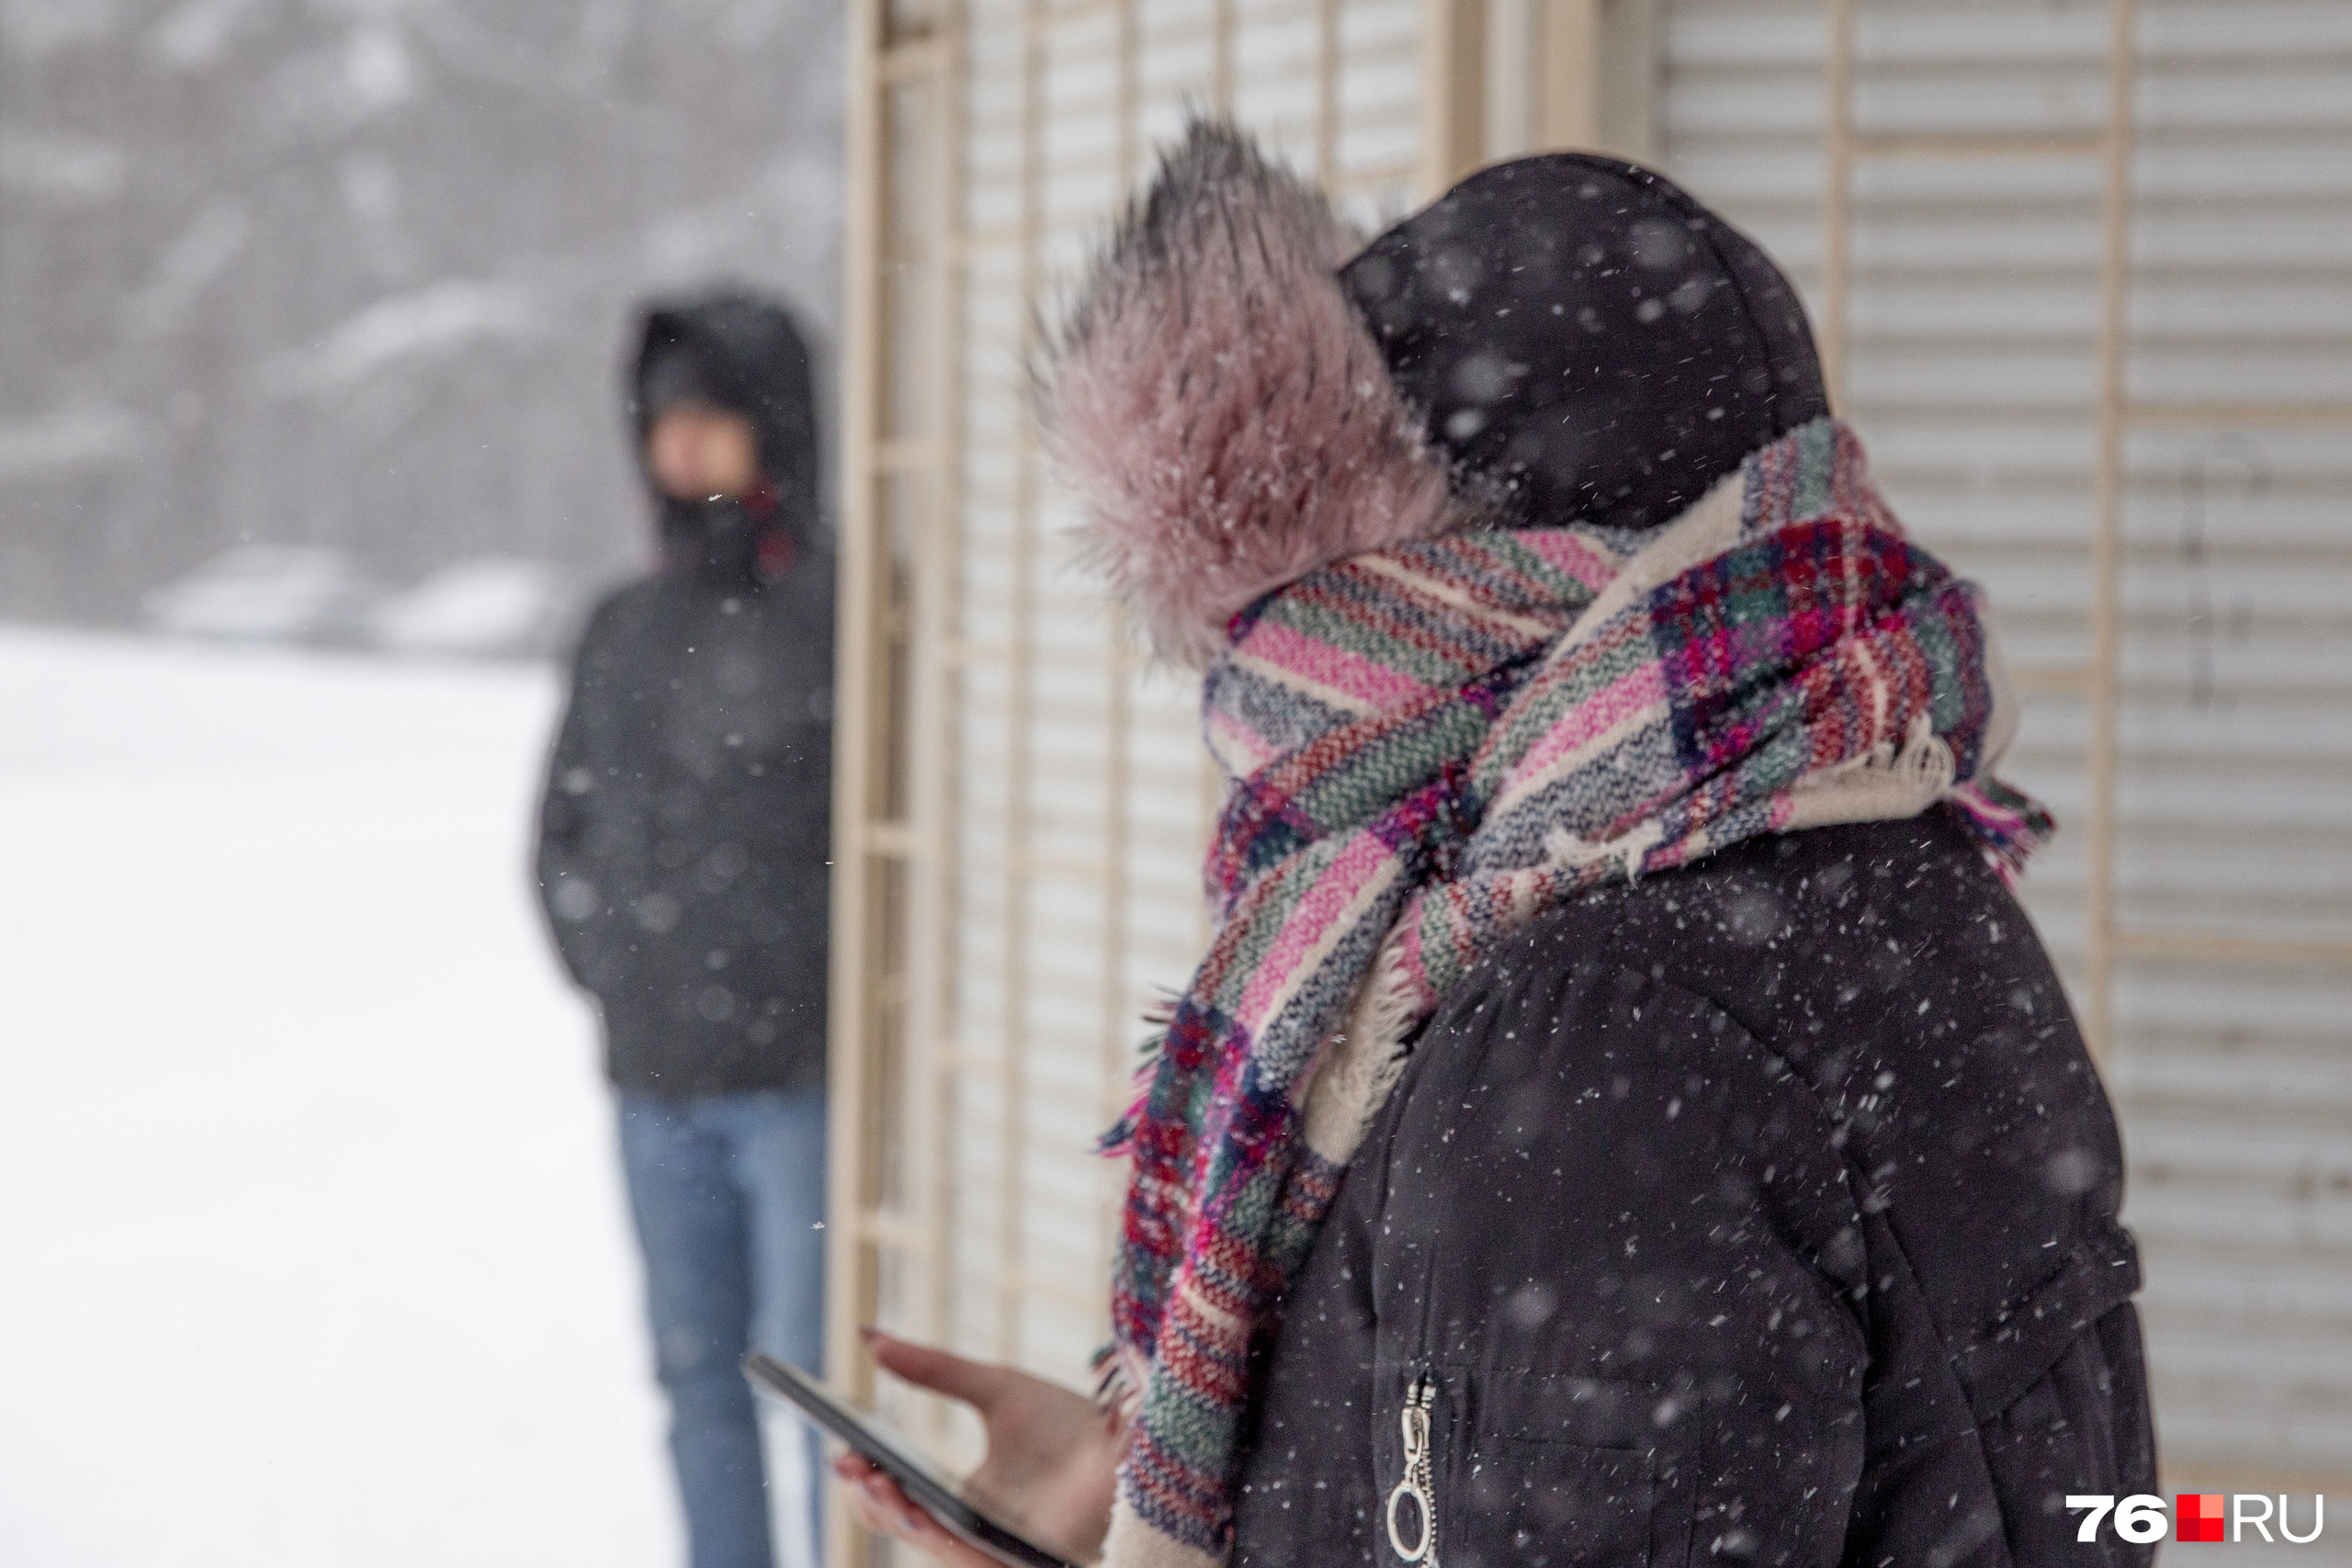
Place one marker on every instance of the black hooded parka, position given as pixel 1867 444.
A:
pixel 1765 1211
pixel 684 838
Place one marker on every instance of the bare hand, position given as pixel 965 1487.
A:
pixel 1051 1469
pixel 882 1508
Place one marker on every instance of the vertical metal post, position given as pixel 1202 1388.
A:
pixel 851 1274
pixel 1567 74
pixel 1221 57
pixel 2107 527
pixel 1326 90
pixel 1837 213
pixel 1020 703
pixel 932 942
pixel 1453 110
pixel 1119 672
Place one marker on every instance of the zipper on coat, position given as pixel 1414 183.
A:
pixel 1419 1484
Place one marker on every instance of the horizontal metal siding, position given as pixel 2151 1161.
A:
pixel 1075 811
pixel 1972 340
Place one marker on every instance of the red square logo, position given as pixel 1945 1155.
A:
pixel 2198 1516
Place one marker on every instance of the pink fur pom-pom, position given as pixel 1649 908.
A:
pixel 1220 407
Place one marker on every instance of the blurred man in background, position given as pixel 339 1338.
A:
pixel 683 856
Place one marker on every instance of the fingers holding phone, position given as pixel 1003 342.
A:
pixel 1053 1454
pixel 881 1508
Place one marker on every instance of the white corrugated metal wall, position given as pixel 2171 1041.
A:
pixel 1075 873
pixel 1973 311
pixel 1029 800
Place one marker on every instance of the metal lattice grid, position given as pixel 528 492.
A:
pixel 1022 800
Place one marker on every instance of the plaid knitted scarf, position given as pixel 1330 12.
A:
pixel 1424 747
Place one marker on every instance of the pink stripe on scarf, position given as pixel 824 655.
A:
pixel 1641 687
pixel 1229 727
pixel 1570 555
pixel 1352 674
pixel 1334 893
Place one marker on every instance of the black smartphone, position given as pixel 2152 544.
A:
pixel 925 1484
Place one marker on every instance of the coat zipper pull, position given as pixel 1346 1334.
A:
pixel 1418 1484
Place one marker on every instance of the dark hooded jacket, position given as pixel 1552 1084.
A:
pixel 684 838
pixel 1764 1211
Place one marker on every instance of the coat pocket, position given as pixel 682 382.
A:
pixel 1534 1470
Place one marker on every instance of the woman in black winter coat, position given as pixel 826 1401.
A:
pixel 1624 1118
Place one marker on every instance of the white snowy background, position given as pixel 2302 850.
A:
pixel 312 1250
pixel 359 275
pixel 312 1243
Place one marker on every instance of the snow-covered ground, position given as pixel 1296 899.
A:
pixel 311 1246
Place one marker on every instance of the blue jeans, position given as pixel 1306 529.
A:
pixel 729 1196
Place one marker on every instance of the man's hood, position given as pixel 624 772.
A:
pixel 1564 338
pixel 757 363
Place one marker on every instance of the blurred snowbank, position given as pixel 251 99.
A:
pixel 312 1247
pixel 304 593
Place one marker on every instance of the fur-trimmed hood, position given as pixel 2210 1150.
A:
pixel 1220 405
pixel 1564 337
